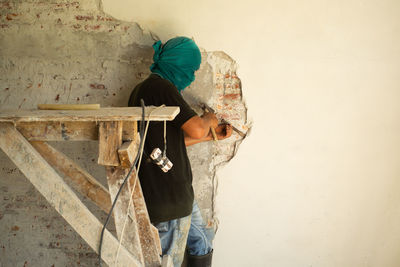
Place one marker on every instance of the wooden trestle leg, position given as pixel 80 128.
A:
pixel 132 222
pixel 60 195
pixel 140 245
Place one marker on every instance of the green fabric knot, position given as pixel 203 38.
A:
pixel 176 60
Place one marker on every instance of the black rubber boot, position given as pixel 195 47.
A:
pixel 199 261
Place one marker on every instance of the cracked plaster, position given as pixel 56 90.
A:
pixel 70 52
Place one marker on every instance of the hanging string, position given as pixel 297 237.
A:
pixel 165 139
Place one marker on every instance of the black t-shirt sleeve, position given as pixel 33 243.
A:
pixel 158 91
pixel 171 97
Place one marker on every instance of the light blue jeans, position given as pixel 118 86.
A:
pixel 190 231
pixel 173 236
pixel 199 241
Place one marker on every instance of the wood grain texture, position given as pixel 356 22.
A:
pixel 75 176
pixel 69 130
pixel 130 238
pixel 149 238
pixel 110 140
pixel 127 153
pixel 167 261
pixel 68 106
pixel 60 196
pixel 103 114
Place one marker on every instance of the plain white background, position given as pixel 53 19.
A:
pixel 317 181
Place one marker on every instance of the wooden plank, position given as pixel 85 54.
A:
pixel 58 131
pixel 156 237
pixel 130 240
pixel 167 261
pixel 129 130
pixel 127 153
pixel 60 196
pixel 68 106
pixel 110 140
pixel 103 114
pixel 84 183
pixel 149 238
pixel 75 176
pixel 69 130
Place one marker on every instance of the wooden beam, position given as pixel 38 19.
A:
pixel 88 186
pixel 103 114
pixel 139 231
pixel 68 106
pixel 60 196
pixel 75 176
pixel 127 153
pixel 149 238
pixel 167 261
pixel 156 237
pixel 69 130
pixel 129 130
pixel 110 140
pixel 130 239
pixel 58 131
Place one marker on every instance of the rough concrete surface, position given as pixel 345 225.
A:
pixel 70 52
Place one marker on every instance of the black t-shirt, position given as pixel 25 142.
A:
pixel 168 195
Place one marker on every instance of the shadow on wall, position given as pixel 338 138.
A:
pixel 71 53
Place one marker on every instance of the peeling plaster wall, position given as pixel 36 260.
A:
pixel 317 181
pixel 70 52
pixel 223 93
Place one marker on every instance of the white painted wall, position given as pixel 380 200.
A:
pixel 317 182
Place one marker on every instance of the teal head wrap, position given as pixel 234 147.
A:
pixel 176 61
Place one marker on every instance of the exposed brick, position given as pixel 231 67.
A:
pixel 230 117
pixel 101 18
pixel 97 86
pixel 119 76
pixel 5 5
pixel 92 27
pixel 85 18
pixel 67 5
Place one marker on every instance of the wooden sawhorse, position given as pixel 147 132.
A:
pixel 23 136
